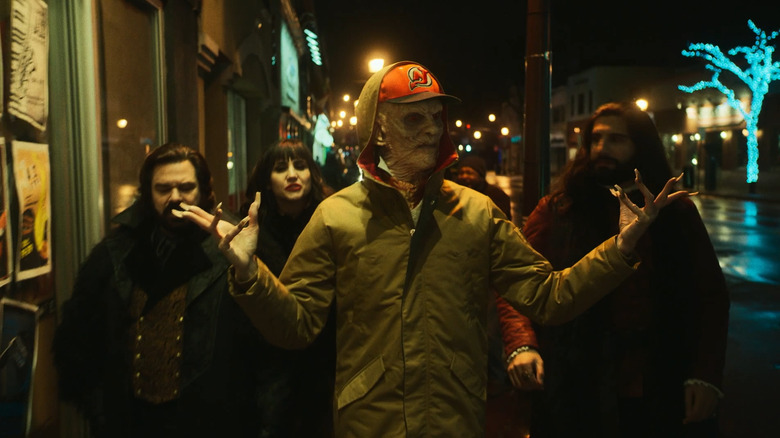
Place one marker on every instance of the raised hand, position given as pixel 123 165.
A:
pixel 630 233
pixel 237 242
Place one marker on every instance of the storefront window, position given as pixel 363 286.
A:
pixel 131 95
pixel 236 155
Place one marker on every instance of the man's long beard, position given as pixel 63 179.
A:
pixel 607 175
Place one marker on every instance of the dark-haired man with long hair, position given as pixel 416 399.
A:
pixel 150 344
pixel 647 360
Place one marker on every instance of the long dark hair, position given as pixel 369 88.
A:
pixel 174 153
pixel 650 157
pixel 260 181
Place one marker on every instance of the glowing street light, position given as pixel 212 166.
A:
pixel 642 104
pixel 375 65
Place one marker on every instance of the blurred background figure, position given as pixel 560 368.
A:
pixel 471 172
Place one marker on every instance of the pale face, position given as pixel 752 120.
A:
pixel 612 150
pixel 171 184
pixel 409 137
pixel 291 184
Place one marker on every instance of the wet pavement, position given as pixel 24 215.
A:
pixel 746 236
pixel 745 230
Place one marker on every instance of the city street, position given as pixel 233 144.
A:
pixel 746 237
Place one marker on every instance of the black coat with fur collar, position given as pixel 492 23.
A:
pixel 221 379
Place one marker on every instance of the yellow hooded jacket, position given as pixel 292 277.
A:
pixel 411 300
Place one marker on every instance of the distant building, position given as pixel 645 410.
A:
pixel 699 130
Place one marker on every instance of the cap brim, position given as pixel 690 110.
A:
pixel 425 95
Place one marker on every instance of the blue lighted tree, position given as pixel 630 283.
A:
pixel 759 72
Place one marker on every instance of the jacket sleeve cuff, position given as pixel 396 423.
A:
pixel 239 288
pixel 703 383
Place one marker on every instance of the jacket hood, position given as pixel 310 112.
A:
pixel 368 104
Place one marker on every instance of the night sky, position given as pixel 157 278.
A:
pixel 477 50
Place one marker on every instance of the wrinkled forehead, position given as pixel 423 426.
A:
pixel 397 111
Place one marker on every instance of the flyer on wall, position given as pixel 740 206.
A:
pixel 6 241
pixel 31 172
pixel 29 62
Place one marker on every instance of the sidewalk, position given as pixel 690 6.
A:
pixel 731 184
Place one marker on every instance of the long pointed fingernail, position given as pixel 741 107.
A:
pixel 244 222
pixel 219 206
pixel 185 206
pixel 177 213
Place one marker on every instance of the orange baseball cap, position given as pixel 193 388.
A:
pixel 410 82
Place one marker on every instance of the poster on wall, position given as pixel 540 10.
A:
pixel 29 54
pixel 290 81
pixel 17 361
pixel 6 241
pixel 31 172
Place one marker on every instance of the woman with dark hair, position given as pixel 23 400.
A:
pixel 291 186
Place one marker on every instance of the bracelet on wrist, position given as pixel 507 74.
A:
pixel 519 350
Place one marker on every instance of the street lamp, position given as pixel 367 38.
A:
pixel 375 65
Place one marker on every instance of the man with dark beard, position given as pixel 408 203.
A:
pixel 150 343
pixel 647 360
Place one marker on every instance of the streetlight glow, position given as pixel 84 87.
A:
pixel 492 117
pixel 375 65
pixel 642 104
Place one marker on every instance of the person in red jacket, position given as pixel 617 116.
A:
pixel 647 360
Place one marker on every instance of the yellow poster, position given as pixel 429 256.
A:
pixel 5 229
pixel 31 172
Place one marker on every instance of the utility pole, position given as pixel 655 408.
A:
pixel 536 126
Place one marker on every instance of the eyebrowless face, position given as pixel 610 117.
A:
pixel 409 136
pixel 173 183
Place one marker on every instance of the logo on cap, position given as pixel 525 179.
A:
pixel 418 78
pixel 410 82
